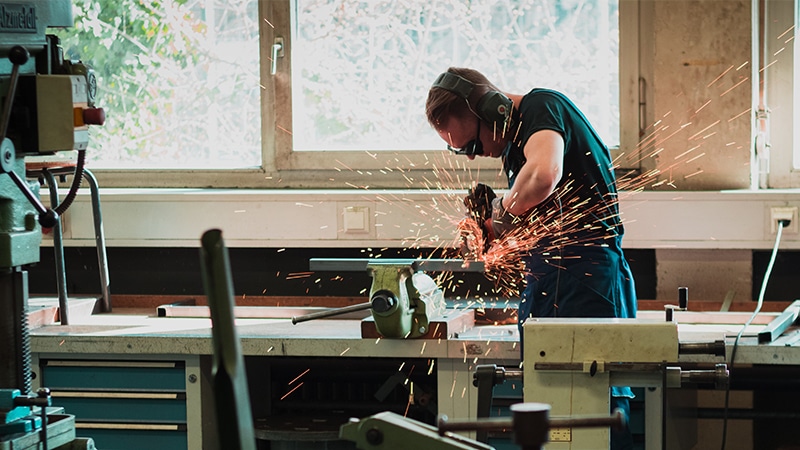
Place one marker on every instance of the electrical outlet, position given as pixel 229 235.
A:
pixel 777 213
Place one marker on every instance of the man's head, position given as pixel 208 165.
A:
pixel 469 112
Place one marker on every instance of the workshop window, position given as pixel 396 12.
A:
pixel 318 93
pixel 361 70
pixel 178 79
pixel 358 73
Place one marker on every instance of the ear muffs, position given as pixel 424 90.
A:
pixel 492 107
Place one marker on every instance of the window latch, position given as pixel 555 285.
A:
pixel 277 52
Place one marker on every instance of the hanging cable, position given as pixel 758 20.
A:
pixel 781 225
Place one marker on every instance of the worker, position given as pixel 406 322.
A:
pixel 561 189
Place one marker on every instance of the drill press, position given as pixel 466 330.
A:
pixel 47 106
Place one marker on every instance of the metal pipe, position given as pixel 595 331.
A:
pixel 58 249
pixel 100 240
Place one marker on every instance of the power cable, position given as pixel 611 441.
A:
pixel 782 224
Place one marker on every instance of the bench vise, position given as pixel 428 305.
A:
pixel 403 300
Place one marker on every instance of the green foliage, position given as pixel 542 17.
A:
pixel 166 76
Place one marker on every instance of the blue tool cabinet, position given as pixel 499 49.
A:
pixel 122 404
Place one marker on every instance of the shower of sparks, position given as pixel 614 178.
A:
pixel 292 390
pixel 410 399
pixel 296 275
pixel 299 376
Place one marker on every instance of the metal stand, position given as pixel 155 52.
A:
pixel 48 174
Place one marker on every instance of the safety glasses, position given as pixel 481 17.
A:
pixel 473 147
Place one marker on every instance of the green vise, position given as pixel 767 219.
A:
pixel 403 300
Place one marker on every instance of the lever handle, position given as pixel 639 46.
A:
pixel 18 55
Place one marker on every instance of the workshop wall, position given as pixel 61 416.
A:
pixel 255 272
pixel 695 58
pixel 711 275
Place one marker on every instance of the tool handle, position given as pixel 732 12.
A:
pixel 331 312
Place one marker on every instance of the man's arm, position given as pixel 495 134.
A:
pixel 539 176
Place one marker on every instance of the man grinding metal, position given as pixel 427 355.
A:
pixel 561 182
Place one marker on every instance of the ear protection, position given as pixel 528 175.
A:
pixel 492 107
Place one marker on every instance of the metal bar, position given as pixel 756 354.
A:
pixel 331 312
pixel 58 249
pixel 100 240
pixel 780 323
pixel 609 366
pixel 361 264
pixel 252 312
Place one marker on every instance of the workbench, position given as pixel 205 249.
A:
pixel 136 344
pixel 132 375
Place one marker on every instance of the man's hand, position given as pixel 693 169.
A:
pixel 479 208
pixel 479 202
pixel 503 221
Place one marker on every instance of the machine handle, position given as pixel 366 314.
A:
pixel 18 55
pixel 331 312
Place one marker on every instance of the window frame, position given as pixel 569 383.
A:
pixel 402 169
pixel 779 79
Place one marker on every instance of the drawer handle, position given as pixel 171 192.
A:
pixel 126 426
pixel 125 364
pixel 142 395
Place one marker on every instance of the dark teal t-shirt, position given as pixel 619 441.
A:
pixel 585 200
pixel 578 227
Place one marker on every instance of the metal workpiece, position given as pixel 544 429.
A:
pixel 780 324
pixel 426 265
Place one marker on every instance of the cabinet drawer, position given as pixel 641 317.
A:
pixel 132 437
pixel 108 375
pixel 122 407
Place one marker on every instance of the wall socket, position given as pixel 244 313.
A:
pixel 777 213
